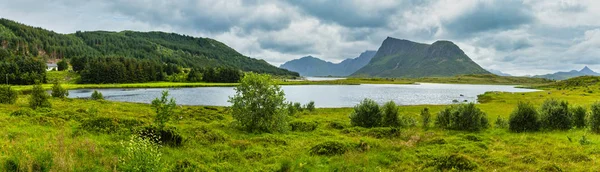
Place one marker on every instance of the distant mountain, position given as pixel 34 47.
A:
pixel 403 58
pixel 170 48
pixel 497 72
pixel 312 66
pixel 571 74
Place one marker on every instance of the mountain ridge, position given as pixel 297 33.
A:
pixel 570 74
pixel 313 66
pixel 404 58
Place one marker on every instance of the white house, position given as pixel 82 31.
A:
pixel 51 66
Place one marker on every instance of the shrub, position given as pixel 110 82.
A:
pixel 39 98
pixel 337 125
pixel 366 114
pixel 164 109
pixel 310 106
pixel 555 115
pixel 7 95
pixel 464 117
pixel 163 136
pixel 108 125
pixel 303 126
pixel 501 122
pixel 329 148
pixel 58 91
pixel 524 118
pixel 62 65
pixel 425 118
pixel 258 105
pixel 141 154
pixel 579 114
pixel 454 162
pixel 390 115
pixel 97 95
pixel 291 108
pixel 595 117
pixel 23 112
pixel 205 135
pixel 298 106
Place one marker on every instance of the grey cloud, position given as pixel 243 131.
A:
pixel 490 16
pixel 295 47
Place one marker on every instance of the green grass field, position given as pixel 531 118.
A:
pixel 58 139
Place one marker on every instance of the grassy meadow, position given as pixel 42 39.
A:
pixel 88 135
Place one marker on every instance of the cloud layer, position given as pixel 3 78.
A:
pixel 515 36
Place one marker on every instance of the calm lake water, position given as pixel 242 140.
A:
pixel 323 95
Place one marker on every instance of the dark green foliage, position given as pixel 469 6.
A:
pixel 366 114
pixel 22 70
pixel 303 126
pixel 97 95
pixel 23 112
pixel 286 166
pixel 310 106
pixel 403 58
pixel 39 98
pixel 329 148
pixel 164 109
pixel 164 136
pixel 337 125
pixel 7 95
pixel 298 106
pixel 556 115
pixel 453 162
pixel 464 117
pixel 62 65
pixel 390 115
pixel 58 91
pixel 185 166
pixel 195 75
pixel 595 117
pixel 579 115
pixel 12 164
pixel 524 118
pixel 121 70
pixel 258 105
pixel 425 118
pixel 221 75
pixel 501 123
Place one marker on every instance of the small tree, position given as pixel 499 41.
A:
pixel 579 114
pixel 164 109
pixel 425 118
pixel 298 106
pixel 97 95
pixel 466 117
pixel 39 97
pixel 366 114
pixel 58 91
pixel 524 118
pixel 7 95
pixel 555 115
pixel 258 104
pixel 62 65
pixel 595 117
pixel 390 115
pixel 310 106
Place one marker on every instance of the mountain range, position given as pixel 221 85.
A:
pixel 497 72
pixel 571 74
pixel 312 66
pixel 17 39
pixel 404 58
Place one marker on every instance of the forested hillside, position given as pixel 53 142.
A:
pixel 18 40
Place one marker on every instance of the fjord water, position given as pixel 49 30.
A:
pixel 323 95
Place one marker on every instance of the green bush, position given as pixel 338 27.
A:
pixel 501 123
pixel 141 155
pixel 258 104
pixel 464 117
pixel 23 112
pixel 39 98
pixel 390 115
pixel 62 65
pixel 109 125
pixel 556 115
pixel 7 95
pixel 164 109
pixel 595 118
pixel 329 148
pixel 97 95
pixel 292 110
pixel 303 126
pixel 205 135
pixel 310 106
pixel 524 118
pixel 454 162
pixel 162 136
pixel 58 91
pixel 366 114
pixel 579 114
pixel 298 106
pixel 425 118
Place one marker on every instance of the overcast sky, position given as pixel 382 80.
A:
pixel 516 37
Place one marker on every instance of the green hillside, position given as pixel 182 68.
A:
pixel 403 58
pixel 186 51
